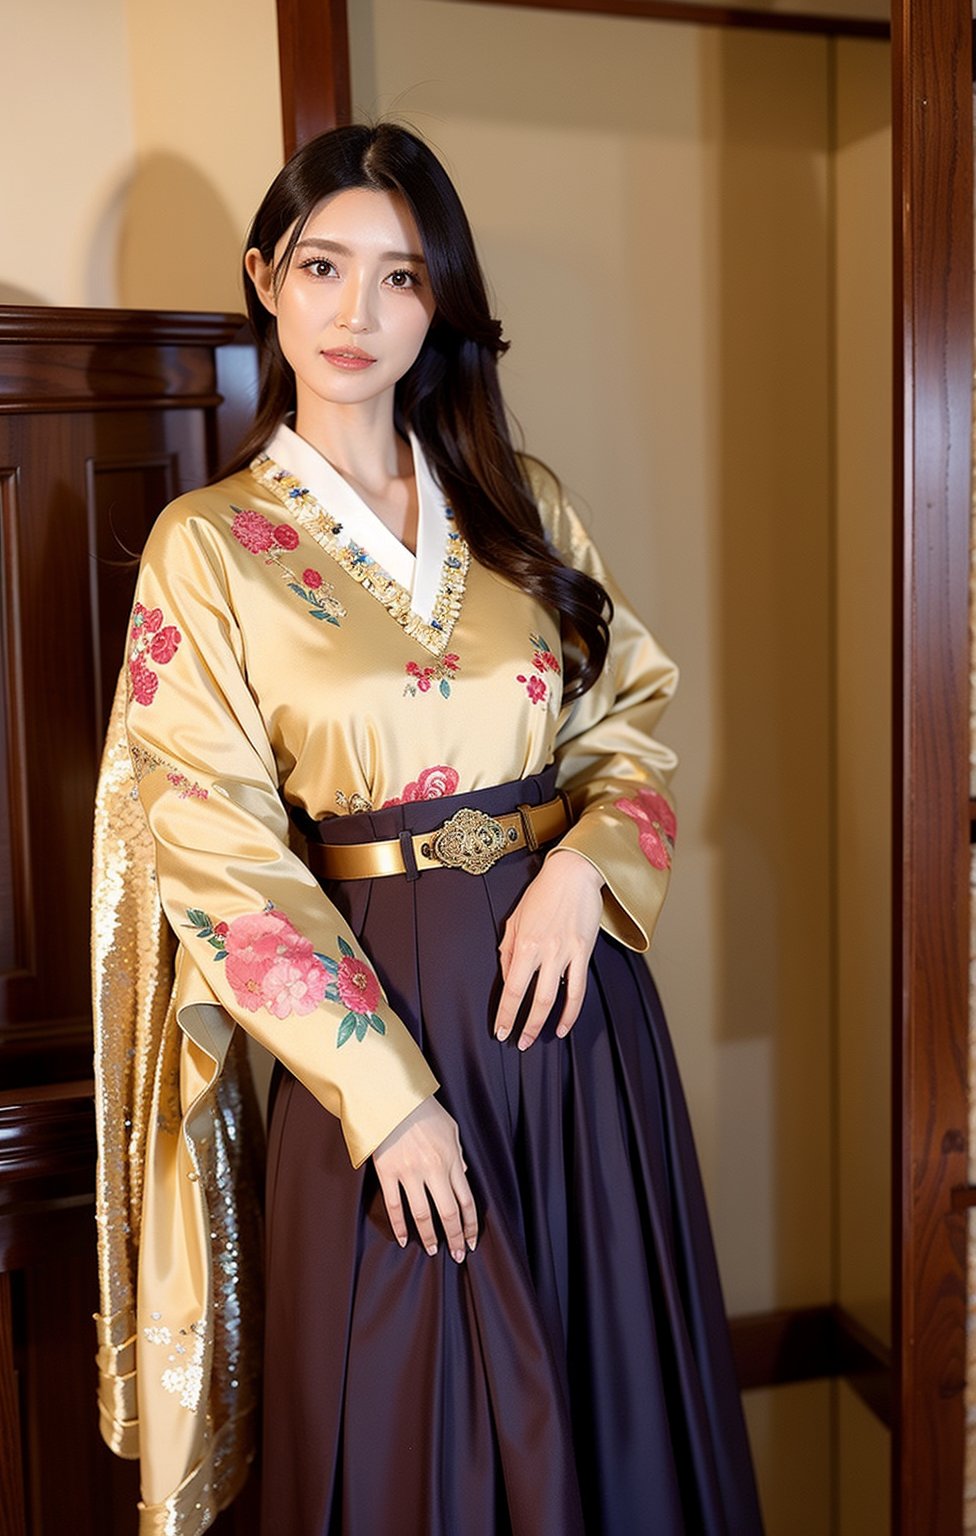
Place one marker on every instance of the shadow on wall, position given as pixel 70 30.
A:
pixel 177 245
pixel 11 293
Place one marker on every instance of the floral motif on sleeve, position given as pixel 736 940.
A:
pixel 271 965
pixel 442 674
pixel 150 640
pixel 657 825
pixel 354 984
pixel 544 660
pixel 145 762
pixel 260 536
pixel 432 784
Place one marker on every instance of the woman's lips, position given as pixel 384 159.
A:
pixel 349 357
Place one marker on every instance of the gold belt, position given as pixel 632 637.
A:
pixel 470 840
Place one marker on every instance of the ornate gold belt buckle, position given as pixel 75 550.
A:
pixel 470 840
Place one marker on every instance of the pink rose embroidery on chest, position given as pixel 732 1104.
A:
pixel 260 536
pixel 271 965
pixel 544 663
pixel 150 641
pixel 657 825
pixel 440 676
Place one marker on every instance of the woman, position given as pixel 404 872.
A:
pixel 491 1301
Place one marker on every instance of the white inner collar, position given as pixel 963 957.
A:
pixel 419 574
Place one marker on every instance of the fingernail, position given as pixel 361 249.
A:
pixel 431 1248
pixel 402 1241
pixel 472 1242
pixel 524 1044
pixel 501 1034
pixel 457 1254
pixel 561 1032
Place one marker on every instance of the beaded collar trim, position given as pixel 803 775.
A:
pixel 358 563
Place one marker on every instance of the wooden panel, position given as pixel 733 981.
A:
pixel 934 319
pixel 16 929
pixel 11 1475
pixel 706 15
pixel 313 60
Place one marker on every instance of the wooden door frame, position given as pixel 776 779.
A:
pixel 933 366
pixel 933 328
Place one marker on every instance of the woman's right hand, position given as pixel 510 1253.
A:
pixel 423 1155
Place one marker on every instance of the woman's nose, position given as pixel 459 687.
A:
pixel 355 312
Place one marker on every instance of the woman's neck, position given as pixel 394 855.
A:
pixel 359 441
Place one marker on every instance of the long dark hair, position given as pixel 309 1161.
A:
pixel 450 397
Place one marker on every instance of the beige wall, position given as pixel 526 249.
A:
pixel 207 123
pixel 134 176
pixel 689 251
pixel 68 150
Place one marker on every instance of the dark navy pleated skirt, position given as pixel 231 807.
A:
pixel 573 1375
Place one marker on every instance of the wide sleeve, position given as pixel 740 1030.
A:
pixel 257 935
pixel 610 763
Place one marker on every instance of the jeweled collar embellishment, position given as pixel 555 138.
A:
pixel 433 634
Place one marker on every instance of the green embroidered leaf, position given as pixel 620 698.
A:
pixel 332 966
pixel 346 948
pixel 445 688
pixel 221 954
pixel 377 1023
pixel 346 1028
pixel 294 587
pixel 362 1024
pixel 332 993
pixel 206 933
pixel 330 618
pixel 197 918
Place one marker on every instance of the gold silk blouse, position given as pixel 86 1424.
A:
pixel 286 647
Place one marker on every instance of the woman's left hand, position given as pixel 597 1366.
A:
pixel 550 936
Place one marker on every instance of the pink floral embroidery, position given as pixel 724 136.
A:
pixel 544 660
pixel 433 784
pixel 353 983
pixel 252 530
pixel 260 536
pixel 149 639
pixel 534 687
pixel 443 672
pixel 357 985
pixel 164 645
pixel 188 788
pixel 657 825
pixel 271 965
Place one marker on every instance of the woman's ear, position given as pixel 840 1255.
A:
pixel 262 276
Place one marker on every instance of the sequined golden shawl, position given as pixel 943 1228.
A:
pixel 179 1239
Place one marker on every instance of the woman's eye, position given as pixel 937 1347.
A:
pixel 403 278
pixel 318 266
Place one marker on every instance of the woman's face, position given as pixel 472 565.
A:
pixel 355 303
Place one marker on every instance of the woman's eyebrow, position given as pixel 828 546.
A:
pixel 343 250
